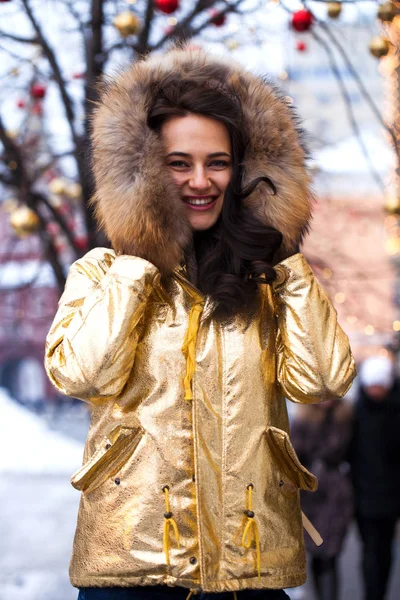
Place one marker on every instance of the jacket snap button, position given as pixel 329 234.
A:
pixel 281 483
pixel 117 481
pixel 108 446
pixel 193 477
pixel 193 560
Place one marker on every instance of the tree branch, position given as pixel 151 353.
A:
pixel 56 71
pixel 18 38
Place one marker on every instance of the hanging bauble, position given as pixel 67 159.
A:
pixel 167 6
pixel 379 46
pixel 38 91
pixel 302 20
pixel 386 12
pixel 21 103
pixel 334 9
pixel 73 191
pixel 57 186
pixel 81 242
pixel 24 221
pixel 301 46
pixel 127 23
pixel 219 19
pixel 392 204
pixel 79 75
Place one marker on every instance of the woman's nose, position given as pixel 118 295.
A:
pixel 199 179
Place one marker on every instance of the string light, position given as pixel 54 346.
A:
pixel 326 273
pixel 396 325
pixel 369 330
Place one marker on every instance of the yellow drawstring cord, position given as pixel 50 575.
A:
pixel 189 343
pixel 168 523
pixel 251 527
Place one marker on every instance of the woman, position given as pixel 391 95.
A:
pixel 321 436
pixel 185 337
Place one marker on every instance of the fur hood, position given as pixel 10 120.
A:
pixel 136 202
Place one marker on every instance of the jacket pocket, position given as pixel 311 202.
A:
pixel 287 461
pixel 115 450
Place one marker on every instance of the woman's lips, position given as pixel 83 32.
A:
pixel 209 205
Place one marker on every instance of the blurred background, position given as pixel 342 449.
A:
pixel 338 62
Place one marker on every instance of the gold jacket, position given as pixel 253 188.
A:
pixel 189 477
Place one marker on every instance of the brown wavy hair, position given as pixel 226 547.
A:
pixel 236 255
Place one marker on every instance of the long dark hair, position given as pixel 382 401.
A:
pixel 235 256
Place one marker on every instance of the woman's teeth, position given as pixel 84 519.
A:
pixel 199 201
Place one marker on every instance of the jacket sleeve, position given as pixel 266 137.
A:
pixel 91 345
pixel 314 360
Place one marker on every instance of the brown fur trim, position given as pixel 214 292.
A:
pixel 136 202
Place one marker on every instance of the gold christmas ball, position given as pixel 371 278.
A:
pixel 392 204
pixel 334 9
pixel 386 12
pixel 126 23
pixel 379 46
pixel 73 191
pixel 57 186
pixel 24 221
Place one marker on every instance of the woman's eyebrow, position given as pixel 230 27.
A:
pixel 212 155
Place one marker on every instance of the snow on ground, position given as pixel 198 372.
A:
pixel 31 447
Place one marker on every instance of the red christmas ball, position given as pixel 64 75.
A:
pixel 302 20
pixel 81 243
pixel 38 91
pixel 301 46
pixel 219 20
pixel 167 6
pixel 21 103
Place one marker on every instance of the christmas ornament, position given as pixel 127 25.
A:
pixel 127 23
pixel 167 6
pixel 302 20
pixel 73 191
pixel 81 243
pixel 24 221
pixel 218 20
pixel 301 46
pixel 38 91
pixel 334 9
pixel 392 204
pixel 21 103
pixel 379 46
pixel 386 12
pixel 57 186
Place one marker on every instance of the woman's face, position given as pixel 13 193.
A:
pixel 199 158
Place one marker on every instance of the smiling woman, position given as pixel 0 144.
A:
pixel 189 334
pixel 199 159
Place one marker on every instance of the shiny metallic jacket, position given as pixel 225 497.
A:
pixel 117 342
pixel 189 477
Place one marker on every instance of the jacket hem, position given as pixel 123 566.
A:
pixel 228 585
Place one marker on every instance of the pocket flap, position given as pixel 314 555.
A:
pixel 287 461
pixel 115 450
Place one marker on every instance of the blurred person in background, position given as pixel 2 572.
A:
pixel 321 436
pixel 375 463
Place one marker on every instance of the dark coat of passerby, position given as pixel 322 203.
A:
pixel 321 436
pixel 375 462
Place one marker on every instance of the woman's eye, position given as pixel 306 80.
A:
pixel 178 164
pixel 220 164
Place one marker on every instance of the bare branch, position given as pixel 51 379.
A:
pixel 51 57
pixel 18 38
